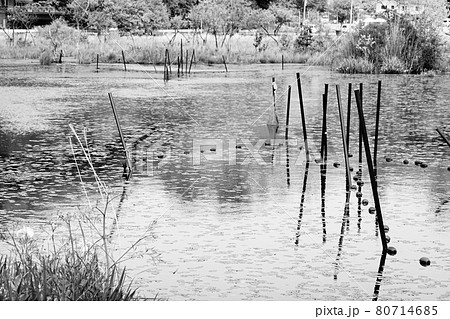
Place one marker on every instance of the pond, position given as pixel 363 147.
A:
pixel 223 204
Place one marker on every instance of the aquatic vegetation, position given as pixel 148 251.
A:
pixel 76 263
pixel 64 274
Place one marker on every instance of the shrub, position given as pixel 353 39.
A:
pixel 404 43
pixel 46 58
pixel 303 39
pixel 355 65
pixel 393 65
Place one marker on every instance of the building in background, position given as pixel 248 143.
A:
pixel 401 7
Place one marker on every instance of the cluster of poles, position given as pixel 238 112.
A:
pixel 185 59
pixel 371 161
pixel 184 66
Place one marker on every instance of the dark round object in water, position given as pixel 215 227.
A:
pixel 423 165
pixel 392 251
pixel 386 228
pixel 351 169
pixel 360 183
pixel 238 146
pixel 186 152
pixel 388 159
pixel 353 187
pixel 160 156
pixel 424 261
pixel 317 160
pixel 359 173
pixel 356 178
pixel 388 239
pixel 213 149
pixel 267 143
pixel 417 162
pixel 350 155
pixel 405 161
pixel 358 194
pixel 202 151
pixel 448 168
pixel 365 202
pixel 336 164
pixel 372 210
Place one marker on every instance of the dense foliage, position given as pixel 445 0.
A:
pixel 404 44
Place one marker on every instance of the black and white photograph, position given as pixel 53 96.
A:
pixel 227 150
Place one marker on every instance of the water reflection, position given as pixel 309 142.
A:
pixel 376 290
pixel 302 202
pixel 218 227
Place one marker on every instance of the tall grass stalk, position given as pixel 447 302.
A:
pixel 73 269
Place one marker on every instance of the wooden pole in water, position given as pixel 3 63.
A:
pixel 377 124
pixel 60 56
pixel 181 56
pixel 360 134
pixel 124 62
pixel 323 164
pixel 187 61
pixel 119 128
pixel 178 63
pixel 165 65
pixel 349 107
pixel 323 143
pixel 344 141
pixel 302 113
pixel 97 62
pixel 443 136
pixel 288 109
pixel 192 59
pixel 225 63
pixel 273 118
pixel 282 62
pixel 373 179
pixel 168 61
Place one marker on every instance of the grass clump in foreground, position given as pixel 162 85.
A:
pixel 71 275
pixel 81 265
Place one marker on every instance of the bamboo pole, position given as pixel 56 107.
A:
pixel 165 66
pixel 323 143
pixel 373 179
pixel 377 124
pixel 119 128
pixel 360 142
pixel 349 107
pixel 302 112
pixel 192 59
pixel 443 136
pixel 225 63
pixel 181 57
pixel 288 108
pixel 344 142
pixel 168 61
pixel 124 62
pixel 187 61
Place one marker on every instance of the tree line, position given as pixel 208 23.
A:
pixel 139 17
